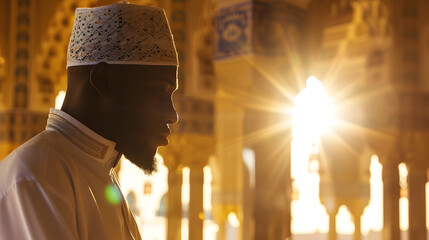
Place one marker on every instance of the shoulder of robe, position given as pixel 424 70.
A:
pixel 44 158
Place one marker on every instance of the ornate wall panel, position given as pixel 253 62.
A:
pixel 233 31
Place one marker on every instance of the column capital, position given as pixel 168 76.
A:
pixel 390 157
pixel 198 164
pixel 186 149
pixel 171 160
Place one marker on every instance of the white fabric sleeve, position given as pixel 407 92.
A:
pixel 29 210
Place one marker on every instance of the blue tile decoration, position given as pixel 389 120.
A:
pixel 233 31
pixel 256 27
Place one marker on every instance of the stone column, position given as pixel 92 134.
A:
pixel 174 201
pixel 191 144
pixel 272 178
pixel 227 192
pixel 196 211
pixel 220 215
pixel 358 234
pixel 417 178
pixel 332 213
pixel 356 209
pixel 332 235
pixel 391 195
pixel 271 200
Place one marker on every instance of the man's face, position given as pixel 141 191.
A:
pixel 141 110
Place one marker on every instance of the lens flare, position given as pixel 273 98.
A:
pixel 112 194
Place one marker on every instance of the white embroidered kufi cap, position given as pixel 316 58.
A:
pixel 121 33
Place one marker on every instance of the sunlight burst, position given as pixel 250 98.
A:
pixel 313 113
pixel 312 116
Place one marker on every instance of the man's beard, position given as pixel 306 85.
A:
pixel 141 157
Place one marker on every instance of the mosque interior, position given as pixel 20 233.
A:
pixel 256 154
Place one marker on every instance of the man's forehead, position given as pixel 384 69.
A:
pixel 142 68
pixel 147 73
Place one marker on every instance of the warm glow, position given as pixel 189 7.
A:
pixel 147 204
pixel 59 99
pixel 185 200
pixel 312 115
pixel 313 112
pixel 372 218
pixel 344 221
pixel 153 225
pixel 403 201
pixel 207 189
pixel 185 186
pixel 307 185
pixel 233 220
pixel 403 175
pixel 403 213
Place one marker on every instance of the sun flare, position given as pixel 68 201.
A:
pixel 313 113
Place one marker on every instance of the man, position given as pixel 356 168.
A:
pixel 122 72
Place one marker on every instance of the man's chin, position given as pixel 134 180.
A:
pixel 146 162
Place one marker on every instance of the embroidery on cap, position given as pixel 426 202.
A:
pixel 121 33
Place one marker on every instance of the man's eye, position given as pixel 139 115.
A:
pixel 160 92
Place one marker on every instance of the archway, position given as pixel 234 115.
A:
pixel 50 61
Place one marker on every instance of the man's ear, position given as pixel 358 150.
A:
pixel 99 78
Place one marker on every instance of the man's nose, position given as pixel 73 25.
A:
pixel 171 114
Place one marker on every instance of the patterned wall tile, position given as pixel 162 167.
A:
pixel 233 31
pixel 257 27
